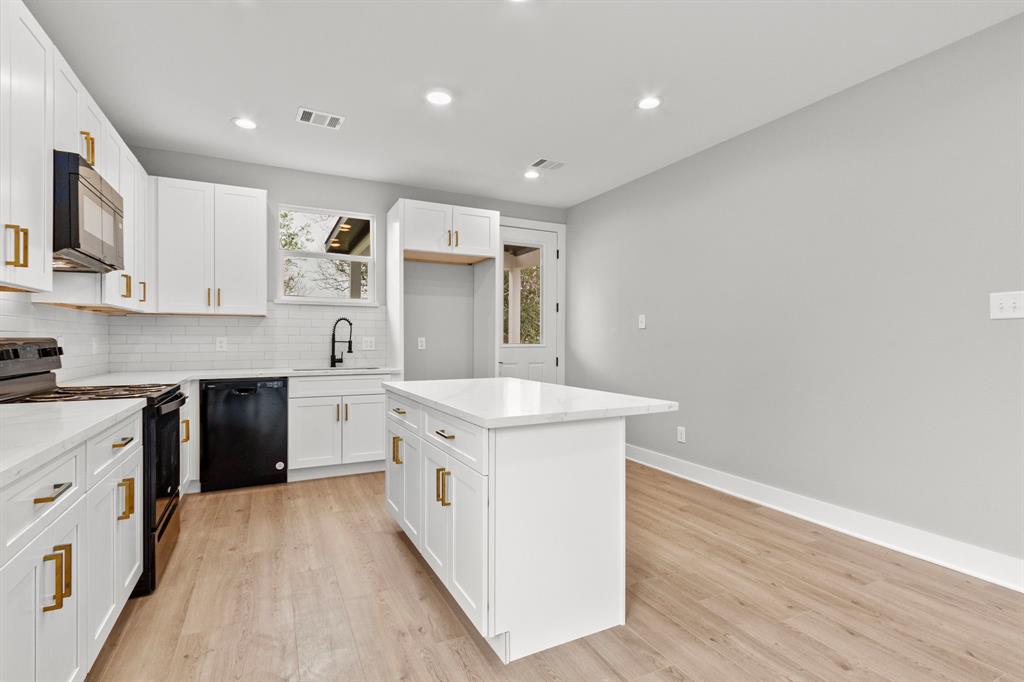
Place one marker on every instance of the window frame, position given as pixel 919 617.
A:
pixel 282 253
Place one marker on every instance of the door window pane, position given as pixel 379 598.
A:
pixel 521 322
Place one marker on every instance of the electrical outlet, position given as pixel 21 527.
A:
pixel 369 343
pixel 641 322
pixel 681 434
pixel 421 343
pixel 222 343
pixel 1006 305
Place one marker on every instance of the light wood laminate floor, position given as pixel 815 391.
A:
pixel 313 581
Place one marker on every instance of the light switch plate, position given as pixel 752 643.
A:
pixel 681 434
pixel 421 343
pixel 641 322
pixel 369 343
pixel 1006 305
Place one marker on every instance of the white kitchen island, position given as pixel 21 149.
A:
pixel 514 492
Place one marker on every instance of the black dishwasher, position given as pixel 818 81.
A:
pixel 244 434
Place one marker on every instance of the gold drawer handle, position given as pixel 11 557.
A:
pixel 445 502
pixel 129 498
pixel 437 484
pixel 395 456
pixel 68 567
pixel 398 411
pixel 125 442
pixel 58 490
pixel 187 423
pixel 444 434
pixel 58 576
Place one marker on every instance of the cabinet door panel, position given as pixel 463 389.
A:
pixel 412 488
pixel 436 518
pixel 476 231
pixel 90 120
pixel 67 136
pixel 144 242
pixel 185 246
pixel 467 492
pixel 363 428
pixel 240 247
pixel 46 645
pixel 129 530
pixel 427 226
pixel 394 486
pixel 103 504
pixel 26 151
pixel 314 432
pixel 120 287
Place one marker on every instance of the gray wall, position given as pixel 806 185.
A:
pixel 438 306
pixel 816 294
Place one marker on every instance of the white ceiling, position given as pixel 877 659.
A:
pixel 531 79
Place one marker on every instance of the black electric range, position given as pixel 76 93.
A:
pixel 26 376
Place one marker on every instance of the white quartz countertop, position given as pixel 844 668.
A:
pixel 501 402
pixel 178 376
pixel 32 434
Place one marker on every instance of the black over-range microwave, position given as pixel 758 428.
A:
pixel 88 218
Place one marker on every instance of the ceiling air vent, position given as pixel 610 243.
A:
pixel 547 164
pixel 319 118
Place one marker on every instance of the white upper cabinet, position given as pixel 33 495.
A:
pixel 145 244
pixel 240 250
pixel 212 255
pixel 91 133
pixel 26 151
pixel 184 232
pixel 444 233
pixel 119 286
pixel 67 133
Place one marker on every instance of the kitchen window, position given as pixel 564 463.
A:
pixel 325 257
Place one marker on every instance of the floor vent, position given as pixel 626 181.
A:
pixel 547 164
pixel 319 118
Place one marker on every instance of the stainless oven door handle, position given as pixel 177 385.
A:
pixel 173 405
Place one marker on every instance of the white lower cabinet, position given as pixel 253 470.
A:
pixel 188 433
pixel 435 514
pixel 314 432
pixel 61 594
pixel 402 481
pixel 362 423
pixel 42 605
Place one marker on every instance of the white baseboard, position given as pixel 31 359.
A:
pixel 988 565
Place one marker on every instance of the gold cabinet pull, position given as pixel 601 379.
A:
pixel 187 423
pixel 58 576
pixel 445 502
pixel 337 413
pixel 437 484
pixel 208 296
pixel 16 229
pixel 395 456
pixel 449 237
pixel 24 248
pixel 123 443
pixel 90 146
pixel 444 434
pixel 346 411
pixel 145 292
pixel 456 237
pixel 58 490
pixel 127 279
pixel 218 296
pixel 398 411
pixel 68 567
pixel 128 484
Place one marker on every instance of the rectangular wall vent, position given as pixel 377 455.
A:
pixel 319 118
pixel 547 164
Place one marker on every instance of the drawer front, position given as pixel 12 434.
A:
pixel 405 412
pixel 460 439
pixel 311 387
pixel 29 506
pixel 105 450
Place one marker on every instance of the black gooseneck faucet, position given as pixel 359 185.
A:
pixel 335 360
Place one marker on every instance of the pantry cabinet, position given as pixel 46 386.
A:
pixel 212 256
pixel 26 151
pixel 445 233
pixel 42 605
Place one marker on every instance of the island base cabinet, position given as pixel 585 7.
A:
pixel 42 633
pixel 402 473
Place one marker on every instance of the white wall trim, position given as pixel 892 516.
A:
pixel 986 564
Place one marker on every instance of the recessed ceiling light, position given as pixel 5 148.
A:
pixel 531 174
pixel 439 97
pixel 244 123
pixel 649 102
